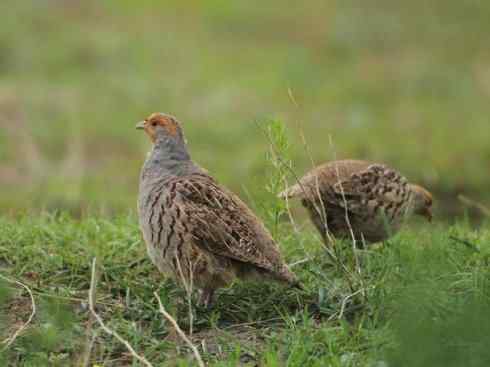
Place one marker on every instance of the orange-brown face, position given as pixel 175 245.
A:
pixel 159 122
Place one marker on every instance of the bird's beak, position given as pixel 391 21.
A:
pixel 140 125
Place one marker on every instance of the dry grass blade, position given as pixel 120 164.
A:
pixel 320 209
pixel 9 341
pixel 472 203
pixel 189 289
pixel 288 210
pixel 292 98
pixel 347 219
pixel 344 302
pixel 179 331
pixel 299 262
pixel 91 297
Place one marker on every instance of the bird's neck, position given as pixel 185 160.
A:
pixel 170 149
pixel 168 157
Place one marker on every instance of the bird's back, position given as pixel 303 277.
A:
pixel 325 175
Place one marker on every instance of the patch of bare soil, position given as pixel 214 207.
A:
pixel 14 314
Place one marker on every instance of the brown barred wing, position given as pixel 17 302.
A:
pixel 377 189
pixel 221 224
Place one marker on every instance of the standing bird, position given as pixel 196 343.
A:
pixel 351 198
pixel 196 230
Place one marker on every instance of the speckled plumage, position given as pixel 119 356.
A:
pixel 371 199
pixel 195 228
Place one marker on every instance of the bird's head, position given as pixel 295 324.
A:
pixel 160 126
pixel 422 202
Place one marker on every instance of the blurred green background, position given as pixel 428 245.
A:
pixel 406 83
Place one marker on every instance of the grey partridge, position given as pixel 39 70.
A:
pixel 364 200
pixel 196 230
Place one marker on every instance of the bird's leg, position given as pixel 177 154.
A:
pixel 206 298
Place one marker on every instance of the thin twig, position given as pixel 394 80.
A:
pixel 9 341
pixel 179 331
pixel 90 338
pixel 91 297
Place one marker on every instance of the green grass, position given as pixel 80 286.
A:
pixel 405 84
pixel 425 302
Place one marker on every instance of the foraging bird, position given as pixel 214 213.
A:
pixel 196 230
pixel 357 199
